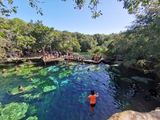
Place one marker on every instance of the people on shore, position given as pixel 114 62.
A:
pixel 92 100
pixel 96 57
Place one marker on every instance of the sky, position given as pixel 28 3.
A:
pixel 62 16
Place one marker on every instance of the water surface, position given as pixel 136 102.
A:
pixel 59 92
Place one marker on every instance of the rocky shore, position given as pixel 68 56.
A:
pixel 133 115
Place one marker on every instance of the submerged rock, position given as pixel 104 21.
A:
pixel 53 69
pixel 126 80
pixel 43 72
pixel 13 111
pixel 31 96
pixel 115 70
pixel 64 82
pixel 49 88
pixel 65 74
pixel 141 79
pixel 133 115
pixel 34 80
pixel 16 90
pixel 32 118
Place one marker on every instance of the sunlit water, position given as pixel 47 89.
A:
pixel 60 91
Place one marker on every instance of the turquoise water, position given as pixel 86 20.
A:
pixel 59 92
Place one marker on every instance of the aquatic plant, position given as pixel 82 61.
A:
pixel 13 111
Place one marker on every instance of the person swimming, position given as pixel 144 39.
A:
pixel 93 99
pixel 20 88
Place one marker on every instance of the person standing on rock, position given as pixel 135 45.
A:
pixel 93 99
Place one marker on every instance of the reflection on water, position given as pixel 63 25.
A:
pixel 60 92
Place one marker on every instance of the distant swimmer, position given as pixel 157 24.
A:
pixel 93 99
pixel 20 88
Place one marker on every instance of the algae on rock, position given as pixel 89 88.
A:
pixel 31 97
pixel 13 111
pixel 32 118
pixel 49 88
pixel 15 91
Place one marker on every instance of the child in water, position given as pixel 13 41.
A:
pixel 93 98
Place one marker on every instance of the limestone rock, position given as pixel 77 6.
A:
pixel 133 115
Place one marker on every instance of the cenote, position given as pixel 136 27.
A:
pixel 59 92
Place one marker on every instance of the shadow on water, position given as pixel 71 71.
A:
pixel 60 91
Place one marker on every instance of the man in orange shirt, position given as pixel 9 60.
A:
pixel 92 98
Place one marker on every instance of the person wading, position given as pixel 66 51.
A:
pixel 93 99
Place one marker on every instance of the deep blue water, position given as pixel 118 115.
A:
pixel 69 101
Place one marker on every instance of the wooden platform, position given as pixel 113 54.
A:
pixel 51 60
pixel 85 61
pixel 48 60
pixel 23 59
pixel 91 61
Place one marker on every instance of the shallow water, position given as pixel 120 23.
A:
pixel 59 92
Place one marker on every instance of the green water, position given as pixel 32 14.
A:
pixel 59 92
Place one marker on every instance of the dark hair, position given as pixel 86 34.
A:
pixel 92 92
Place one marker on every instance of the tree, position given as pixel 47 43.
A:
pixel 68 43
pixel 87 43
pixel 42 34
pixel 6 7
pixel 99 38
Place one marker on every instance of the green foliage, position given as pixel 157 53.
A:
pixel 68 43
pixel 7 7
pixel 87 43
pixel 141 41
pixel 99 50
pixel 132 5
pixel 13 111
pixel 25 41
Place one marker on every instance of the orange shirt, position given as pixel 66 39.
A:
pixel 92 99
